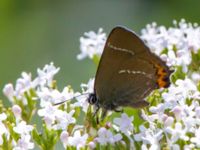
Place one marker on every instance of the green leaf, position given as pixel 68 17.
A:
pixel 198 86
pixel 96 59
pixel 127 141
pixel 164 51
pixel 37 137
pixel 195 64
pixel 178 74
pixel 7 144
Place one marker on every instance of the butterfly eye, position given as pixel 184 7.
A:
pixel 92 99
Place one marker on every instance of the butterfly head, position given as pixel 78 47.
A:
pixel 92 99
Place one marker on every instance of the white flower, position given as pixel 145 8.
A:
pixel 187 85
pixel 183 37
pixel 197 112
pixel 179 132
pixel 82 99
pixel 53 96
pixel 22 128
pixel 3 116
pixel 105 136
pixel 196 138
pixel 64 138
pixel 92 44
pixel 8 91
pixel 1 139
pixel 78 140
pixel 167 120
pixel 3 129
pixel 175 147
pixel 48 113
pixel 46 75
pixel 89 87
pixel 81 102
pixel 124 123
pixel 56 118
pixel 179 92
pixel 23 84
pixel 195 76
pixel 150 119
pixel 189 147
pixel 63 119
pixel 178 112
pixel 183 59
pixel 24 143
pixel 172 146
pixel 169 58
pixel 189 118
pixel 158 115
pixel 149 137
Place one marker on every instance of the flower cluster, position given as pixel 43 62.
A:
pixel 176 117
pixel 172 121
pixel 59 121
pixel 92 44
pixel 175 45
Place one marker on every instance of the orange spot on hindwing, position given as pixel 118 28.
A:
pixel 163 76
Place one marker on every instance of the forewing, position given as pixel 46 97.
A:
pixel 121 45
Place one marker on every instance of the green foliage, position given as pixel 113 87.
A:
pixel 195 64
pixel 178 74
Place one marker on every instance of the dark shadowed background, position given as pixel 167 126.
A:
pixel 36 32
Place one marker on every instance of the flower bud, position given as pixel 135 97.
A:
pixel 17 111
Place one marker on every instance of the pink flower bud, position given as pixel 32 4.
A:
pixel 64 137
pixel 197 110
pixel 169 121
pixel 92 145
pixel 8 91
pixel 177 112
pixel 17 111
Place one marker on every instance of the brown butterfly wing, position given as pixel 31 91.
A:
pixel 128 71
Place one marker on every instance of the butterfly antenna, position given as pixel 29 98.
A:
pixel 70 98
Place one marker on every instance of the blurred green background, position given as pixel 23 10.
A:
pixel 36 32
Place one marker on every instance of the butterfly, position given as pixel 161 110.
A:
pixel 127 72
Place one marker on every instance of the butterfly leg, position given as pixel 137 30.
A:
pixel 97 107
pixel 104 113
